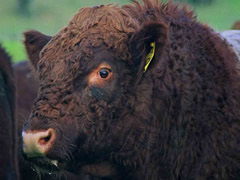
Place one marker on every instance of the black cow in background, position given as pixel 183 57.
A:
pixel 8 162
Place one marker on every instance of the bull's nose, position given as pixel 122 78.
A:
pixel 37 143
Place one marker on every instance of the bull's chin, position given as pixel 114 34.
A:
pixel 43 165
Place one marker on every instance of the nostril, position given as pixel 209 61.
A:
pixel 47 138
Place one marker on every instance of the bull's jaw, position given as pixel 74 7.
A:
pixel 100 169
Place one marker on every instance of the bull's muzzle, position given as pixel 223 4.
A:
pixel 37 143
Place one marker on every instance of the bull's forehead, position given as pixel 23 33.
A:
pixel 90 27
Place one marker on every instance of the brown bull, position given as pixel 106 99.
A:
pixel 144 91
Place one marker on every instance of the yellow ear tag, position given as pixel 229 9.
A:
pixel 150 56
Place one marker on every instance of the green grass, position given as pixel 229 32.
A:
pixel 15 49
pixel 49 16
pixel 220 15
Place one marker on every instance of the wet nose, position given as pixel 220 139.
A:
pixel 37 143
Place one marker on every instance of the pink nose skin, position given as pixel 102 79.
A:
pixel 37 143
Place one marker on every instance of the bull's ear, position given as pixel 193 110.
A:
pixel 146 46
pixel 34 42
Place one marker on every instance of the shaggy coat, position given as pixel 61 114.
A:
pixel 179 119
pixel 8 161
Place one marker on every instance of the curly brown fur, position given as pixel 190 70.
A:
pixel 178 120
pixel 8 166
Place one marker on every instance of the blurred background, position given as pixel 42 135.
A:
pixel 49 16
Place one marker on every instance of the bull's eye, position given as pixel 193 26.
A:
pixel 100 76
pixel 104 73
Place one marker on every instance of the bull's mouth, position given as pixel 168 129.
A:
pixel 46 166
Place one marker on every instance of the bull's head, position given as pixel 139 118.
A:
pixel 94 95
